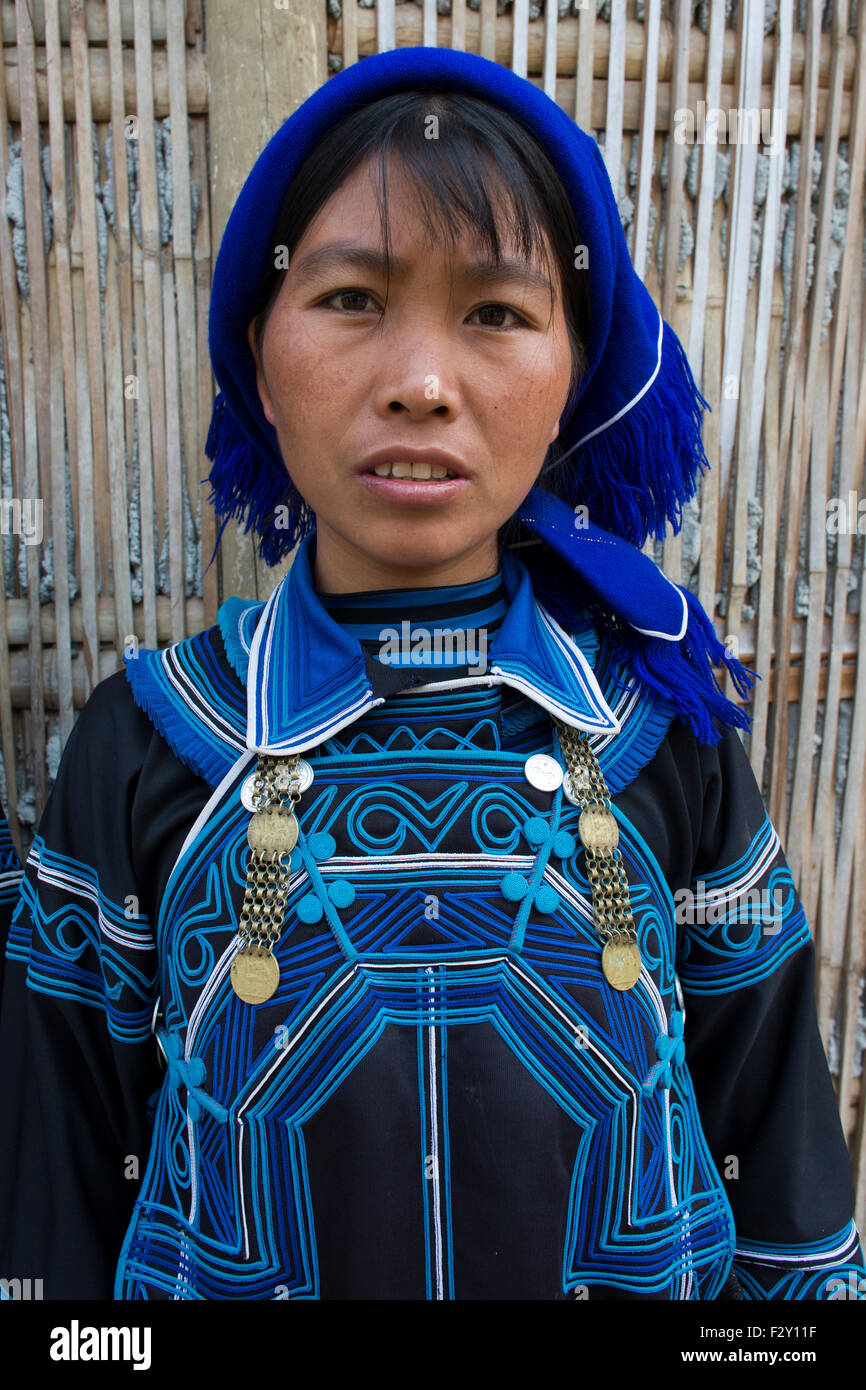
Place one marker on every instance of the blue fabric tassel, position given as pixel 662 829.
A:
pixel 635 475
pixel 678 672
pixel 682 673
pixel 247 484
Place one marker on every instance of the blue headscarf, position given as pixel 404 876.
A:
pixel 631 432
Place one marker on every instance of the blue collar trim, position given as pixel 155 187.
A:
pixel 194 693
pixel 323 683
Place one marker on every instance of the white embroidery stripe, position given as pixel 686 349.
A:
pixel 434 1132
pixel 189 694
pixel 75 886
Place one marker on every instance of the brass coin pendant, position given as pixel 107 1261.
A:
pixel 576 786
pixel 598 828
pixel 273 830
pixel 255 974
pixel 621 963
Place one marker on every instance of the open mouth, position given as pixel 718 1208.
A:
pixel 418 472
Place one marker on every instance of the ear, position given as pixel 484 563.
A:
pixel 261 383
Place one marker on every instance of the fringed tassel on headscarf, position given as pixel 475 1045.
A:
pixel 682 672
pixel 635 475
pixel 246 484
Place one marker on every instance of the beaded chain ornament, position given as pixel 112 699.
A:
pixel 611 906
pixel 273 833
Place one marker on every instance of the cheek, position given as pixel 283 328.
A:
pixel 307 388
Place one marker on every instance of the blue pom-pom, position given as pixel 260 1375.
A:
pixel 514 887
pixel 322 845
pixel 546 899
pixel 310 909
pixel 341 892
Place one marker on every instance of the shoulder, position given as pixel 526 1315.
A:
pixel 110 735
pixel 193 692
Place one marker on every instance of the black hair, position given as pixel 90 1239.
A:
pixel 481 144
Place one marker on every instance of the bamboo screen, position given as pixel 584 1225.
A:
pixel 106 390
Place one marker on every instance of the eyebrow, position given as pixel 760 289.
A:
pixel 509 271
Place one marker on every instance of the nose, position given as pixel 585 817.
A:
pixel 418 371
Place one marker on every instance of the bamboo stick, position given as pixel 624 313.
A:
pixel 17 629
pixel 571 34
pixel 99 84
pixel 741 197
pixel 152 349
pixel 581 102
pixel 429 21
pixel 98 23
pixel 763 409
pixel 790 452
pixel 18 693
pixel 13 367
pixel 63 374
pixel 82 455
pixel 740 484
pixel 486 33
pixel 640 222
pixel 122 251
pixel 519 27
pixel 711 499
pixel 350 31
pixel 183 278
pixel 117 454
pixel 705 197
pixel 763 690
pixel 93 311
pixel 674 207
pixel 800 819
pixel 615 83
pixel 202 263
pixel 823 837
pixel 174 474
pixel 37 441
pixel 386 33
pixel 855 787
pixel 548 71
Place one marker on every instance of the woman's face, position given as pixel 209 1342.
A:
pixel 465 362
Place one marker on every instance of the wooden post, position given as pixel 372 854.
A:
pixel 264 59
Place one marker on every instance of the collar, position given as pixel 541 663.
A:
pixel 307 677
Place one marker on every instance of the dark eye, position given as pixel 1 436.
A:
pixel 498 309
pixel 348 294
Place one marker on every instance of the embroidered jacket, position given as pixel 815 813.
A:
pixel 444 1099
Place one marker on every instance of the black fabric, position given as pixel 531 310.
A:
pixel 76 1100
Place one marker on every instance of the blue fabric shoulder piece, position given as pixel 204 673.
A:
pixel 237 619
pixel 645 717
pixel 193 700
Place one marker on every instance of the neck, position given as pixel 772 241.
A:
pixel 341 568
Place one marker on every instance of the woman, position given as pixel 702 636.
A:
pixel 441 878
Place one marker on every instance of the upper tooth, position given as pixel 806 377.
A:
pixel 404 469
